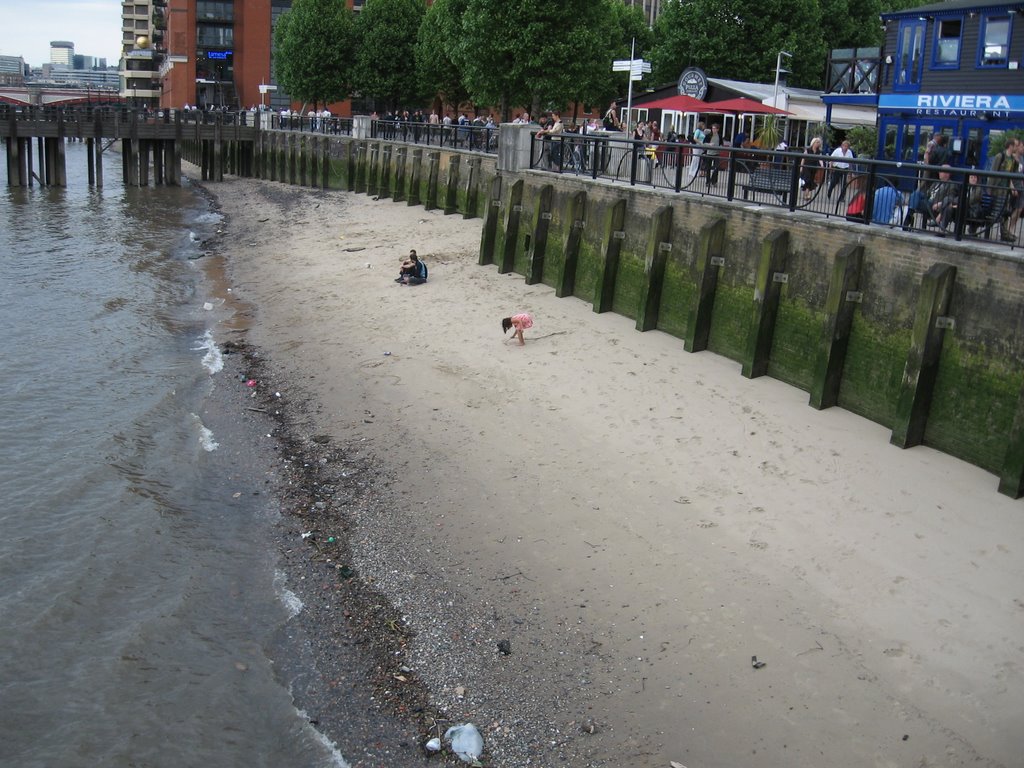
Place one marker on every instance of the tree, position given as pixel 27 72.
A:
pixel 385 67
pixel 530 52
pixel 851 23
pixel 436 50
pixel 739 39
pixel 628 25
pixel 313 51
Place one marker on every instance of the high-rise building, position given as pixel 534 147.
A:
pixel 12 70
pixel 651 8
pixel 62 52
pixel 219 52
pixel 141 51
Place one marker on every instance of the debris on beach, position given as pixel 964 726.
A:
pixel 505 647
pixel 434 745
pixel 674 764
pixel 755 663
pixel 467 743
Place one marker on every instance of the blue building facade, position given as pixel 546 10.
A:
pixel 951 68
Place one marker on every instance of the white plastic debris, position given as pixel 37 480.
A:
pixel 307 534
pixel 467 743
pixel 434 745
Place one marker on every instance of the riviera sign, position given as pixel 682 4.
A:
pixel 952 104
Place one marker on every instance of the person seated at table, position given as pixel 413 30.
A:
pixel 934 201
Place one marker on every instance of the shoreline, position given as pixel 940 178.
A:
pixel 636 522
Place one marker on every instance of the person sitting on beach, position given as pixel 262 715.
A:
pixel 520 322
pixel 413 271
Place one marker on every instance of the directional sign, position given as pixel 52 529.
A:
pixel 636 67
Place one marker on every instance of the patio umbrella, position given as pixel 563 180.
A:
pixel 743 106
pixel 680 103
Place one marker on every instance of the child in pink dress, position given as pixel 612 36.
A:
pixel 520 322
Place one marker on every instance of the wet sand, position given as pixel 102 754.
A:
pixel 635 521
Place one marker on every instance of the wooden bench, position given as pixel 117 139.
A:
pixel 776 180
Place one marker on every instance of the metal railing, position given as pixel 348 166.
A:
pixel 972 205
pixel 475 138
pixel 329 126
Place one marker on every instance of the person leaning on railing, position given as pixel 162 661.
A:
pixel 553 150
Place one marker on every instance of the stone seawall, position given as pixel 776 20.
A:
pixel 924 336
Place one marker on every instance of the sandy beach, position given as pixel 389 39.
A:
pixel 637 522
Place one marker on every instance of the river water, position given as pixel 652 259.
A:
pixel 139 602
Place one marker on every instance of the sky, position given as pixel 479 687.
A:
pixel 28 26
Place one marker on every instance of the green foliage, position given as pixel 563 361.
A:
pixel 997 140
pixel 891 6
pixel 769 132
pixel 385 65
pixel 851 23
pixel 529 52
pixel 863 140
pixel 629 24
pixel 740 39
pixel 437 44
pixel 313 51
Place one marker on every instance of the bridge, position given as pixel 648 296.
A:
pixel 52 95
pixel 146 138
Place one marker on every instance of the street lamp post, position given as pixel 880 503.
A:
pixel 778 71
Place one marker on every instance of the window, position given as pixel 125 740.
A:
pixel 909 56
pixel 947 43
pixel 995 41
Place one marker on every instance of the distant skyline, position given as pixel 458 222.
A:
pixel 94 26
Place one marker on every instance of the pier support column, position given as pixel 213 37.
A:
pixel 510 234
pixel 614 236
pixel 710 261
pixel 1011 479
pixel 566 283
pixel 451 190
pixel 41 151
pixel 539 241
pixel 90 160
pixel 98 153
pixel 922 368
pixel 492 217
pixel 840 305
pixel 659 245
pixel 401 155
pixel 159 153
pixel 143 145
pixel 765 310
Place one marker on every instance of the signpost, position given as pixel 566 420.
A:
pixel 636 68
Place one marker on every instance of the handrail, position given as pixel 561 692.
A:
pixel 870 192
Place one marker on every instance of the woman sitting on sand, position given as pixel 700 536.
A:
pixel 520 322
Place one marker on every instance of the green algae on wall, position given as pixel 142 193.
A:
pixel 588 267
pixel 730 320
pixel 629 285
pixel 873 374
pixel 973 407
pixel 795 343
pixel 677 296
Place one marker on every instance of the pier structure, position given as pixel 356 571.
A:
pixel 152 144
